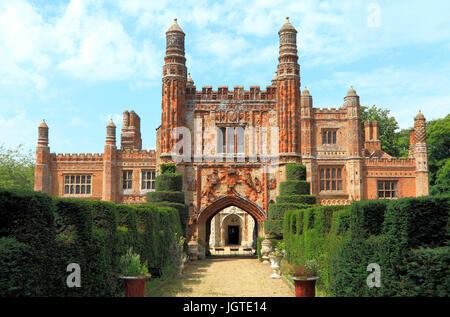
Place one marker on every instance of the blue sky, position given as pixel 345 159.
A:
pixel 77 63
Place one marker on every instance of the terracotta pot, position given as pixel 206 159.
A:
pixel 134 286
pixel 305 287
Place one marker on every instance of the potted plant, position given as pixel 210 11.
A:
pixel 305 277
pixel 134 273
pixel 275 258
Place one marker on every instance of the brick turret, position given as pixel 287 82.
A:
pixel 173 88
pixel 288 91
pixel 420 154
pixel 109 164
pixel 41 179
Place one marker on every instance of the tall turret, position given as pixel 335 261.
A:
pixel 420 154
pixel 288 91
pixel 173 88
pixel 41 174
pixel 354 145
pixel 109 164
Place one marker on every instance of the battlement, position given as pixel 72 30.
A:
pixel 385 162
pixel 76 157
pixel 238 93
pixel 137 153
pixel 329 111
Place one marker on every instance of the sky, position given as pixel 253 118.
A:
pixel 79 63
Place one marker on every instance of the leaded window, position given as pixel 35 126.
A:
pixel 330 178
pixel 77 184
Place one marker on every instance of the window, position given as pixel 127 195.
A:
pixel 329 137
pixel 148 180
pixel 387 189
pixel 230 140
pixel 127 179
pixel 330 178
pixel 77 184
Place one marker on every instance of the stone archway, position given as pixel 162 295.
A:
pixel 205 216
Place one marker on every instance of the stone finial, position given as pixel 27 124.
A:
pixel 287 26
pixel 306 92
pixel 43 134
pixel 111 123
pixel 175 27
pixel 420 116
pixel 43 124
pixel 189 81
pixel 352 92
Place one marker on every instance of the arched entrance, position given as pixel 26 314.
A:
pixel 207 214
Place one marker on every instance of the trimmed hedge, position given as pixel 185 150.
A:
pixel 277 211
pixel 407 237
pixel 428 272
pixel 159 196
pixel 168 194
pixel 19 273
pixel 169 182
pixel 28 217
pixel 315 233
pixel 168 168
pixel 273 227
pixel 40 236
pixel 295 171
pixel 294 187
pixel 297 199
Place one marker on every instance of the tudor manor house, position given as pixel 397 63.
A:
pixel 236 191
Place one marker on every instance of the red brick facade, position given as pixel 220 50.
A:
pixel 341 166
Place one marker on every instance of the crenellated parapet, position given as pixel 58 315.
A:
pixel 390 162
pixel 239 93
pixel 83 157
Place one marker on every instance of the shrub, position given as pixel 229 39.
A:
pixel 19 273
pixel 168 168
pixel 294 187
pixel 277 211
pixel 169 196
pixel 295 171
pixel 297 199
pixel 367 217
pixel 428 272
pixel 28 217
pixel 169 182
pixel 274 227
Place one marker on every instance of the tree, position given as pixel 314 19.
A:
pixel 16 168
pixel 438 142
pixel 387 127
pixel 402 142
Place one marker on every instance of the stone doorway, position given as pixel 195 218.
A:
pixel 233 235
pixel 232 210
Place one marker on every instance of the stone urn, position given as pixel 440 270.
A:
pixel 193 249
pixel 266 248
pixel 183 260
pixel 275 261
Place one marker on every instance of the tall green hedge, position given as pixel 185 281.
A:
pixel 407 237
pixel 314 233
pixel 40 236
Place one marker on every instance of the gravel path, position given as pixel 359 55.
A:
pixel 227 277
